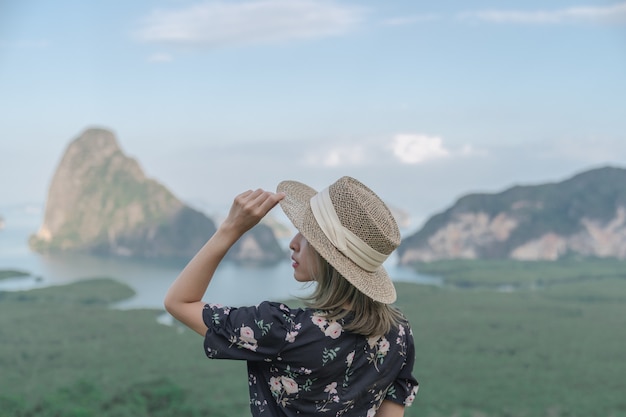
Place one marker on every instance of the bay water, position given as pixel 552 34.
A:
pixel 232 284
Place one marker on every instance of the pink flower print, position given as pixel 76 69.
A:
pixel 291 387
pixel 400 330
pixel 372 340
pixel 319 321
pixel 291 337
pixel 371 412
pixel 249 346
pixel 383 346
pixel 350 358
pixel 220 306
pixel 246 334
pixel 331 388
pixel 275 384
pixel 409 400
pixel 333 330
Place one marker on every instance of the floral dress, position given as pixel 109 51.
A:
pixel 301 364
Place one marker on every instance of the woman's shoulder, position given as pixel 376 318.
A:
pixel 279 312
pixel 269 310
pixel 281 308
pixel 402 324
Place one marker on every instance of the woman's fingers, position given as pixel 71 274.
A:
pixel 266 200
pixel 250 206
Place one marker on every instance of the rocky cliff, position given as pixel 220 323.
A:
pixel 100 202
pixel 582 216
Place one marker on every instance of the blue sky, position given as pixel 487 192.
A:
pixel 423 101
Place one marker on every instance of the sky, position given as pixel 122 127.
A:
pixel 422 101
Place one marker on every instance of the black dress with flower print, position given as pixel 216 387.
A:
pixel 300 363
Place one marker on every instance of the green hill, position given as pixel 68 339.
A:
pixel 584 215
pixel 100 202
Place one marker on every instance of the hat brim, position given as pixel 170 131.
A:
pixel 377 285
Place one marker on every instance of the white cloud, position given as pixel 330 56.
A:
pixel 615 13
pixel 469 150
pixel 406 148
pixel 417 148
pixel 160 57
pixel 409 20
pixel 219 23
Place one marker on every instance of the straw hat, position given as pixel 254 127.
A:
pixel 350 227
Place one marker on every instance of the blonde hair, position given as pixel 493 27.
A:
pixel 337 297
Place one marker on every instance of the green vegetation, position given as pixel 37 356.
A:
pixel 63 352
pixel 553 351
pixel 10 273
pixel 494 274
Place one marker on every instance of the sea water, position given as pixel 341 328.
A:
pixel 232 284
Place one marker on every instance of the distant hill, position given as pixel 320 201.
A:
pixel 582 216
pixel 100 202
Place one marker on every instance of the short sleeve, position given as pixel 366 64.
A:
pixel 246 333
pixel 404 389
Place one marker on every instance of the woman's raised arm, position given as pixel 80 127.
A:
pixel 184 298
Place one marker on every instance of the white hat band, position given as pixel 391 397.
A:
pixel 343 239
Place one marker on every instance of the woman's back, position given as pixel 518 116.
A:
pixel 299 363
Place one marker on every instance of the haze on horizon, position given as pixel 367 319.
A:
pixel 422 102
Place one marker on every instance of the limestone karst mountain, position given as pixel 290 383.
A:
pixel 101 202
pixel 582 216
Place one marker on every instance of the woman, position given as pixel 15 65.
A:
pixel 348 353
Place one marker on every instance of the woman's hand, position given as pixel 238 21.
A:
pixel 249 208
pixel 184 298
